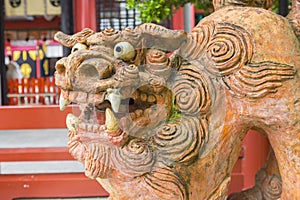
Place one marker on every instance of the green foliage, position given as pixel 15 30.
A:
pixel 275 6
pixel 158 10
pixel 175 114
pixel 205 5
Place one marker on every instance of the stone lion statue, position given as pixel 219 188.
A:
pixel 164 113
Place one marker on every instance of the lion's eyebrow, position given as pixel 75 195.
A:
pixel 71 40
pixel 108 35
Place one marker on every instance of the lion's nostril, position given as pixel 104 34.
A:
pixel 107 72
pixel 61 69
pixel 89 72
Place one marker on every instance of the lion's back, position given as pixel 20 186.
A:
pixel 271 35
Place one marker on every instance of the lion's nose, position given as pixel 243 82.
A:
pixel 89 74
pixel 60 66
pixel 60 69
pixel 60 74
pixel 95 70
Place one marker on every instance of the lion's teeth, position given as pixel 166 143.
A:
pixel 139 113
pixel 115 100
pixel 111 122
pixel 151 99
pixel 144 97
pixel 63 103
pixel 72 122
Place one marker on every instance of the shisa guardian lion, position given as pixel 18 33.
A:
pixel 164 113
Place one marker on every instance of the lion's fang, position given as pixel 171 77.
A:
pixel 111 121
pixel 63 103
pixel 71 122
pixel 115 100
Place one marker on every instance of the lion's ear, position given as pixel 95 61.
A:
pixel 156 36
pixel 71 40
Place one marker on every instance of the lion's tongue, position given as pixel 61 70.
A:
pixel 100 117
pixel 111 123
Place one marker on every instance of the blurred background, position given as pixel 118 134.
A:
pixel 34 160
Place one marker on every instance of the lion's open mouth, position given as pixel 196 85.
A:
pixel 116 98
pixel 108 115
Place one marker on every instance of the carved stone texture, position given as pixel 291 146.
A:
pixel 164 113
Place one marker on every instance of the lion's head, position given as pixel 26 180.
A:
pixel 161 109
pixel 125 83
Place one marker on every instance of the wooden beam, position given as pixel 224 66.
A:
pixel 33 117
pixel 49 185
pixel 34 154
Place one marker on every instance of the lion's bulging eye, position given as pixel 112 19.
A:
pixel 118 49
pixel 124 51
pixel 78 47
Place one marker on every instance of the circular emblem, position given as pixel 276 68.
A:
pixel 55 3
pixel 15 3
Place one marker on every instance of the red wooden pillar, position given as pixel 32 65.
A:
pixel 178 18
pixel 85 15
pixel 253 156
pixel 256 148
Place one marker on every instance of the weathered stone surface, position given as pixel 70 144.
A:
pixel 164 113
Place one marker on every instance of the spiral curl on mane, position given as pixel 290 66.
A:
pixel 127 74
pixel 272 188
pixel 157 63
pixel 197 41
pixel 191 91
pixel 227 47
pixel 188 136
pixel 135 159
pixel 230 48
